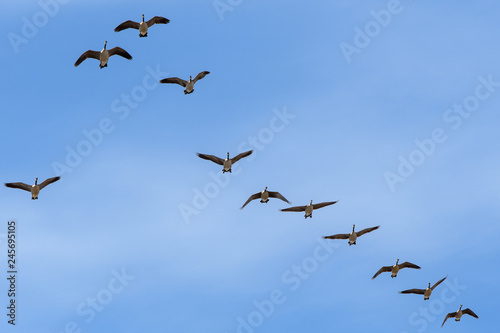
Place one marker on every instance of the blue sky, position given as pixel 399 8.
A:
pixel 140 234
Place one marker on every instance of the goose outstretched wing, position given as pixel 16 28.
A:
pixel 252 197
pixel 21 186
pixel 200 76
pixel 212 158
pixel 87 54
pixel 174 80
pixel 119 51
pixel 126 25
pixel 365 231
pixel 48 181
pixel 157 20
pixel 240 156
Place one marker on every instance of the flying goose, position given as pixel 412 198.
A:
pixel 142 26
pixel 264 197
pixel 34 189
pixel 187 84
pixel 103 55
pixel 394 269
pixel 426 292
pixel 226 164
pixel 353 235
pixel 308 209
pixel 457 315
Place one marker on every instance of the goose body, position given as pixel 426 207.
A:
pixel 457 315
pixel 227 162
pixel 189 85
pixel 426 292
pixel 143 25
pixel 308 209
pixel 394 269
pixel 264 197
pixel 353 235
pixel 103 55
pixel 35 188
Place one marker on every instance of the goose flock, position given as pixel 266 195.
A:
pixel 103 57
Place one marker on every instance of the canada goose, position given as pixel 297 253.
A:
pixel 457 315
pixel 426 292
pixel 353 235
pixel 103 55
pixel 308 209
pixel 226 164
pixel 34 189
pixel 264 197
pixel 187 84
pixel 142 26
pixel 394 269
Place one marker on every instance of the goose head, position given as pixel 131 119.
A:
pixel 227 152
pixel 397 261
pixel 36 181
pixel 429 287
pixel 265 189
pixel 142 17
pixel 460 307
pixel 105 42
pixel 191 79
pixel 310 203
pixel 353 226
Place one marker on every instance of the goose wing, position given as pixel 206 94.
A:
pixel 200 76
pixel 367 230
pixel 449 315
pixel 240 156
pixel 174 80
pixel 212 158
pixel 157 20
pixel 413 291
pixel 119 51
pixel 87 54
pixel 470 313
pixel 323 204
pixel 21 186
pixel 278 195
pixel 382 270
pixel 407 264
pixel 48 181
pixel 294 209
pixel 128 24
pixel 252 197
pixel 437 283
pixel 337 236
